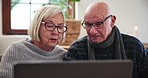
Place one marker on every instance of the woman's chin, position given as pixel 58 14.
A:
pixel 52 44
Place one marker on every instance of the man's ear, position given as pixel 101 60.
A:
pixel 113 20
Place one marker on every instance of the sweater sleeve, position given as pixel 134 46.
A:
pixel 7 61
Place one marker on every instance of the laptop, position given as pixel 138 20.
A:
pixel 75 69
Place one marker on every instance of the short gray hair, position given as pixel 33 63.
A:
pixel 42 14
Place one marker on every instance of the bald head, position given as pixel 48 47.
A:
pixel 99 9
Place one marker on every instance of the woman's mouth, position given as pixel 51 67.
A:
pixel 53 40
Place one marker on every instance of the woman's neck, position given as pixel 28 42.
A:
pixel 41 45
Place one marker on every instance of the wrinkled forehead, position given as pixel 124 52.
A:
pixel 94 15
pixel 97 10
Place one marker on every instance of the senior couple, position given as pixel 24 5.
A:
pixel 103 41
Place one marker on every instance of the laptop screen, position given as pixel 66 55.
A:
pixel 75 69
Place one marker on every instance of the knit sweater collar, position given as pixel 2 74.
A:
pixel 34 48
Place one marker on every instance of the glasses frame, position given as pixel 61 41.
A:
pixel 93 24
pixel 55 26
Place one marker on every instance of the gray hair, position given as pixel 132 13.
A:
pixel 47 11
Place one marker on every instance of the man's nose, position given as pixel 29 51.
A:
pixel 92 29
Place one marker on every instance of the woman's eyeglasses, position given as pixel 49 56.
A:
pixel 50 26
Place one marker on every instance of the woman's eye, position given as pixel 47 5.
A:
pixel 49 25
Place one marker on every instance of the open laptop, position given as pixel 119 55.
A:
pixel 75 69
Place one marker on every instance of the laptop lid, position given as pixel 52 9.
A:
pixel 75 69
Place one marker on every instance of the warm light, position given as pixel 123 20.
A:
pixel 136 28
pixel 135 31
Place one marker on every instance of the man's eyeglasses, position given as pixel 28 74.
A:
pixel 96 25
pixel 50 26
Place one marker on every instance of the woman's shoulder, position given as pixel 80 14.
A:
pixel 60 48
pixel 15 46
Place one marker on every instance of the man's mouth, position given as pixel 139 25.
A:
pixel 96 36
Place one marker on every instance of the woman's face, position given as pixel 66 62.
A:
pixel 50 38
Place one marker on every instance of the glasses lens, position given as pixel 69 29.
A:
pixel 49 26
pixel 61 29
pixel 86 25
pixel 98 25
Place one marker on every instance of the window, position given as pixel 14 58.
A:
pixel 16 13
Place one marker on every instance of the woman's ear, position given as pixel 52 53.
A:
pixel 113 20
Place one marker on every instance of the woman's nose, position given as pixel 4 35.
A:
pixel 55 30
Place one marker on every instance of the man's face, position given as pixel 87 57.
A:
pixel 99 27
pixel 98 22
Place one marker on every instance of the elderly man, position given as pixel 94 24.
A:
pixel 104 41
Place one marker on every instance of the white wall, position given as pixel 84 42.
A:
pixel 129 13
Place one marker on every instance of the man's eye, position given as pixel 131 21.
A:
pixel 88 24
pixel 60 27
pixel 97 23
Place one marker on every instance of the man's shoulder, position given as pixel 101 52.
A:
pixel 80 42
pixel 126 37
pixel 131 40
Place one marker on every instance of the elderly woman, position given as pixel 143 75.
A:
pixel 46 31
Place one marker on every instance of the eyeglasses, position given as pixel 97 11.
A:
pixel 96 25
pixel 50 26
